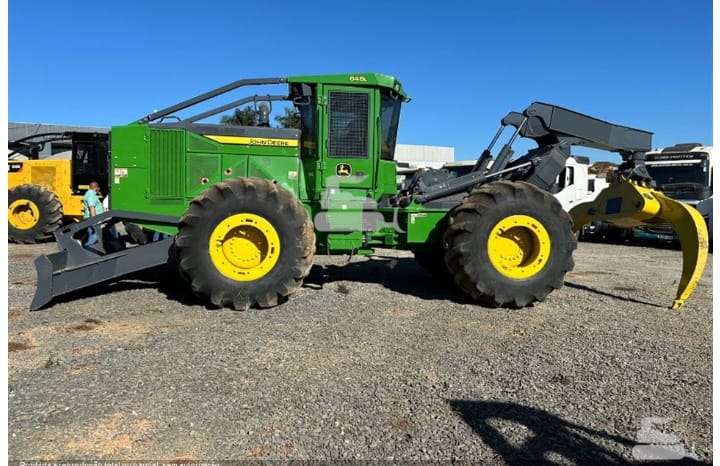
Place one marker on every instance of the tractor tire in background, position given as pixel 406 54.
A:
pixel 245 242
pixel 34 213
pixel 509 244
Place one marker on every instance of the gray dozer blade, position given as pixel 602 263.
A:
pixel 75 267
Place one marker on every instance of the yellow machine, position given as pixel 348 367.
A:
pixel 45 194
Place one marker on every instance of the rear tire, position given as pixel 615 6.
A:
pixel 34 213
pixel 509 244
pixel 245 242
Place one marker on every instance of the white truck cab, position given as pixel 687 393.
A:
pixel 683 172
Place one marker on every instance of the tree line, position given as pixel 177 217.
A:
pixel 247 116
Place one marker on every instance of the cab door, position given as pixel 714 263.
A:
pixel 346 165
pixel 347 156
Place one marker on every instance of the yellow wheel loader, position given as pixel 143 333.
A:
pixel 45 194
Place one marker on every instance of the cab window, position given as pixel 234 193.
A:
pixel 348 118
pixel 389 122
pixel 305 104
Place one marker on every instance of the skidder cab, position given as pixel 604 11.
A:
pixel 248 206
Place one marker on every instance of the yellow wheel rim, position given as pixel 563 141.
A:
pixel 23 214
pixel 244 247
pixel 519 247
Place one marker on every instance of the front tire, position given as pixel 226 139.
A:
pixel 34 213
pixel 509 244
pixel 245 242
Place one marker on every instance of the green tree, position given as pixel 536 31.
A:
pixel 244 117
pixel 291 119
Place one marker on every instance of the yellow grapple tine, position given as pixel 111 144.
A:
pixel 626 203
pixel 690 227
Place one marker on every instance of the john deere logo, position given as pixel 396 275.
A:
pixel 343 169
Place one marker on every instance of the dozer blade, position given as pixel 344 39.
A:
pixel 74 267
pixel 626 204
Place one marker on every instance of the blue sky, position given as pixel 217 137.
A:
pixel 640 63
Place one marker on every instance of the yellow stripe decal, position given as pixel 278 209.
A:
pixel 253 141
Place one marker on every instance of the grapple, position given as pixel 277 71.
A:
pixel 628 203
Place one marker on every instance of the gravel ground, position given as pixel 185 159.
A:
pixel 371 359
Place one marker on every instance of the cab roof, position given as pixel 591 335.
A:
pixel 354 79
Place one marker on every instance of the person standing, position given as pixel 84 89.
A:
pixel 92 206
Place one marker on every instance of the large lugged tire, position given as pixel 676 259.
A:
pixel 509 244
pixel 245 242
pixel 33 213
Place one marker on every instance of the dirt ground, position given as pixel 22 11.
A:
pixel 370 360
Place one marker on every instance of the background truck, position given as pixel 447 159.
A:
pixel 683 172
pixel 247 208
pixel 576 185
pixel 45 194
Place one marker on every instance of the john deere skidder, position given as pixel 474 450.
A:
pixel 247 207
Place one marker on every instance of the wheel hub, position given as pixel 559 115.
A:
pixel 519 246
pixel 23 214
pixel 244 247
